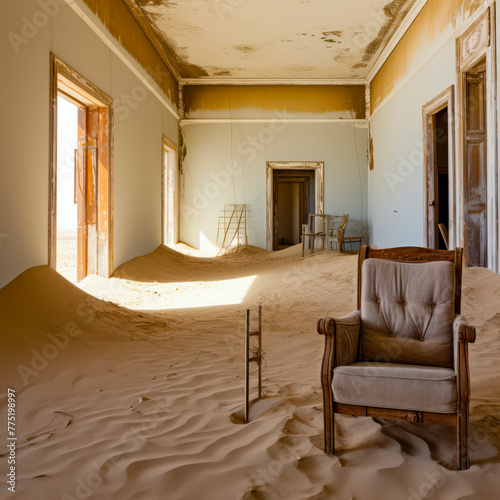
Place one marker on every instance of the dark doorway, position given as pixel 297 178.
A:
pixel 293 202
pixel 439 162
pixel 475 167
pixel 442 162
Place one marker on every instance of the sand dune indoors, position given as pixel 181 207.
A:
pixel 138 396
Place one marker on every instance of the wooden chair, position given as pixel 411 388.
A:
pixel 403 355
pixel 444 234
pixel 335 231
pixel 320 223
pixel 337 235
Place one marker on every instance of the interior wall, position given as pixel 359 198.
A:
pixel 396 184
pixel 30 31
pixel 226 163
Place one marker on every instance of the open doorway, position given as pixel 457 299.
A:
pixel 438 138
pixel 67 182
pixel 80 214
pixel 293 191
pixel 169 193
pixel 293 202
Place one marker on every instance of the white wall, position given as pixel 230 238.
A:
pixel 208 173
pixel 396 193
pixel 24 136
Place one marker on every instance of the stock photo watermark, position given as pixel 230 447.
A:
pixel 132 440
pixel 59 341
pixel 249 150
pixel 11 440
pixel 138 94
pixel 31 25
pixel 406 166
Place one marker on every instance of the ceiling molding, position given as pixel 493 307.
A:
pixel 396 38
pixel 272 81
pixel 152 36
pixel 347 121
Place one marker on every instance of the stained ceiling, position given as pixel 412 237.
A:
pixel 271 39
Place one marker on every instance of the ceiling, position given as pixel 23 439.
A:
pixel 270 39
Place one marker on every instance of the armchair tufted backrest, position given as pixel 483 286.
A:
pixel 408 304
pixel 407 312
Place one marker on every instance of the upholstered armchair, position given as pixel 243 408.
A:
pixel 403 354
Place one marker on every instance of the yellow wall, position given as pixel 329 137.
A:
pixel 228 101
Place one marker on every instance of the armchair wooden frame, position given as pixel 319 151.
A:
pixel 341 353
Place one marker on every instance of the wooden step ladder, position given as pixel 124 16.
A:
pixel 232 227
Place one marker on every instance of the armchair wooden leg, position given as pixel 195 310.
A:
pixel 463 441
pixel 330 434
pixel 329 421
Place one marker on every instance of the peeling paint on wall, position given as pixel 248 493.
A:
pixel 226 101
pixel 395 11
pixel 435 23
pixel 119 21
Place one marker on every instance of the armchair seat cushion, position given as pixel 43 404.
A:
pixel 397 386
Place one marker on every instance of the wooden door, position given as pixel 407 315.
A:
pixel 91 199
pixel 475 179
pixel 275 210
pixel 81 194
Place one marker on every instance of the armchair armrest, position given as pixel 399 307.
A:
pixel 463 334
pixel 342 336
pixel 341 339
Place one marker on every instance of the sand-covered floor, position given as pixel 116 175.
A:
pixel 138 396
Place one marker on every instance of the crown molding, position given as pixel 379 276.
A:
pixel 347 121
pixel 272 81
pixel 152 36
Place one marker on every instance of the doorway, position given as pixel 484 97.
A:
pixel 169 193
pixel 293 202
pixel 304 195
pixel 80 201
pixel 67 183
pixel 439 161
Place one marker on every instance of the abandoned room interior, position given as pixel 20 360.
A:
pixel 191 191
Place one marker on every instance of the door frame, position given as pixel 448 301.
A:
pixel 169 193
pixel 82 90
pixel 317 166
pixel 477 42
pixel 445 99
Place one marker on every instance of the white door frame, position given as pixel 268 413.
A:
pixel 169 192
pixel 319 170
